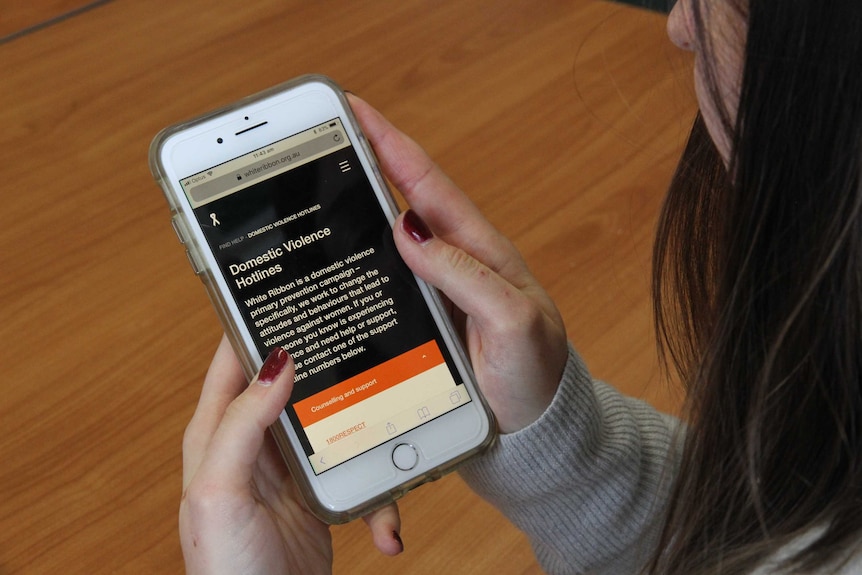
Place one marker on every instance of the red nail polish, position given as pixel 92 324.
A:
pixel 273 366
pixel 415 227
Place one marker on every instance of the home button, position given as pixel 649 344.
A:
pixel 404 456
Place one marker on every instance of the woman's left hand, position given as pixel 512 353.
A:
pixel 241 511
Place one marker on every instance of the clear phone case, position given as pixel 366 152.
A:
pixel 249 358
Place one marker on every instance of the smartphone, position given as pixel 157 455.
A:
pixel 287 219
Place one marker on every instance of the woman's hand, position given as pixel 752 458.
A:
pixel 513 331
pixel 241 511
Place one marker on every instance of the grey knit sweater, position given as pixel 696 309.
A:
pixel 588 482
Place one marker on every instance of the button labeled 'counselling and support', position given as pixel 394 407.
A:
pixel 404 456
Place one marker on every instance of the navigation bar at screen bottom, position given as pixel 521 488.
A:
pixel 377 405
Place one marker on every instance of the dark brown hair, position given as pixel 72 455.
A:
pixel 758 303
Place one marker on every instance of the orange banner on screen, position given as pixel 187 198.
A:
pixel 368 383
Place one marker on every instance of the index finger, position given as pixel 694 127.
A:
pixel 440 203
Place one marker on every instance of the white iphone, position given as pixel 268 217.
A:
pixel 287 220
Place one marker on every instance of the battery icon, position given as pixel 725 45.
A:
pixel 333 124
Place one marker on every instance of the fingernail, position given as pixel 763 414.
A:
pixel 273 366
pixel 415 227
pixel 397 537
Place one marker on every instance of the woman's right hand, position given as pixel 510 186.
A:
pixel 513 331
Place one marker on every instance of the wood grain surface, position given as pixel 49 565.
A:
pixel 562 119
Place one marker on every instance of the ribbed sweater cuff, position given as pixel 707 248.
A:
pixel 588 481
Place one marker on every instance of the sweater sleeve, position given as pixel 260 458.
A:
pixel 588 482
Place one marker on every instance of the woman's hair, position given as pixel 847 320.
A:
pixel 757 290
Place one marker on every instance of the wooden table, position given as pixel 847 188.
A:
pixel 563 119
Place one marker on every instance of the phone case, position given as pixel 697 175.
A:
pixel 249 358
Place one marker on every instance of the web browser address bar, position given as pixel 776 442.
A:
pixel 276 162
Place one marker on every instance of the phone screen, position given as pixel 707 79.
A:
pixel 307 252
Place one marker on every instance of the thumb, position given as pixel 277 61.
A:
pixel 235 446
